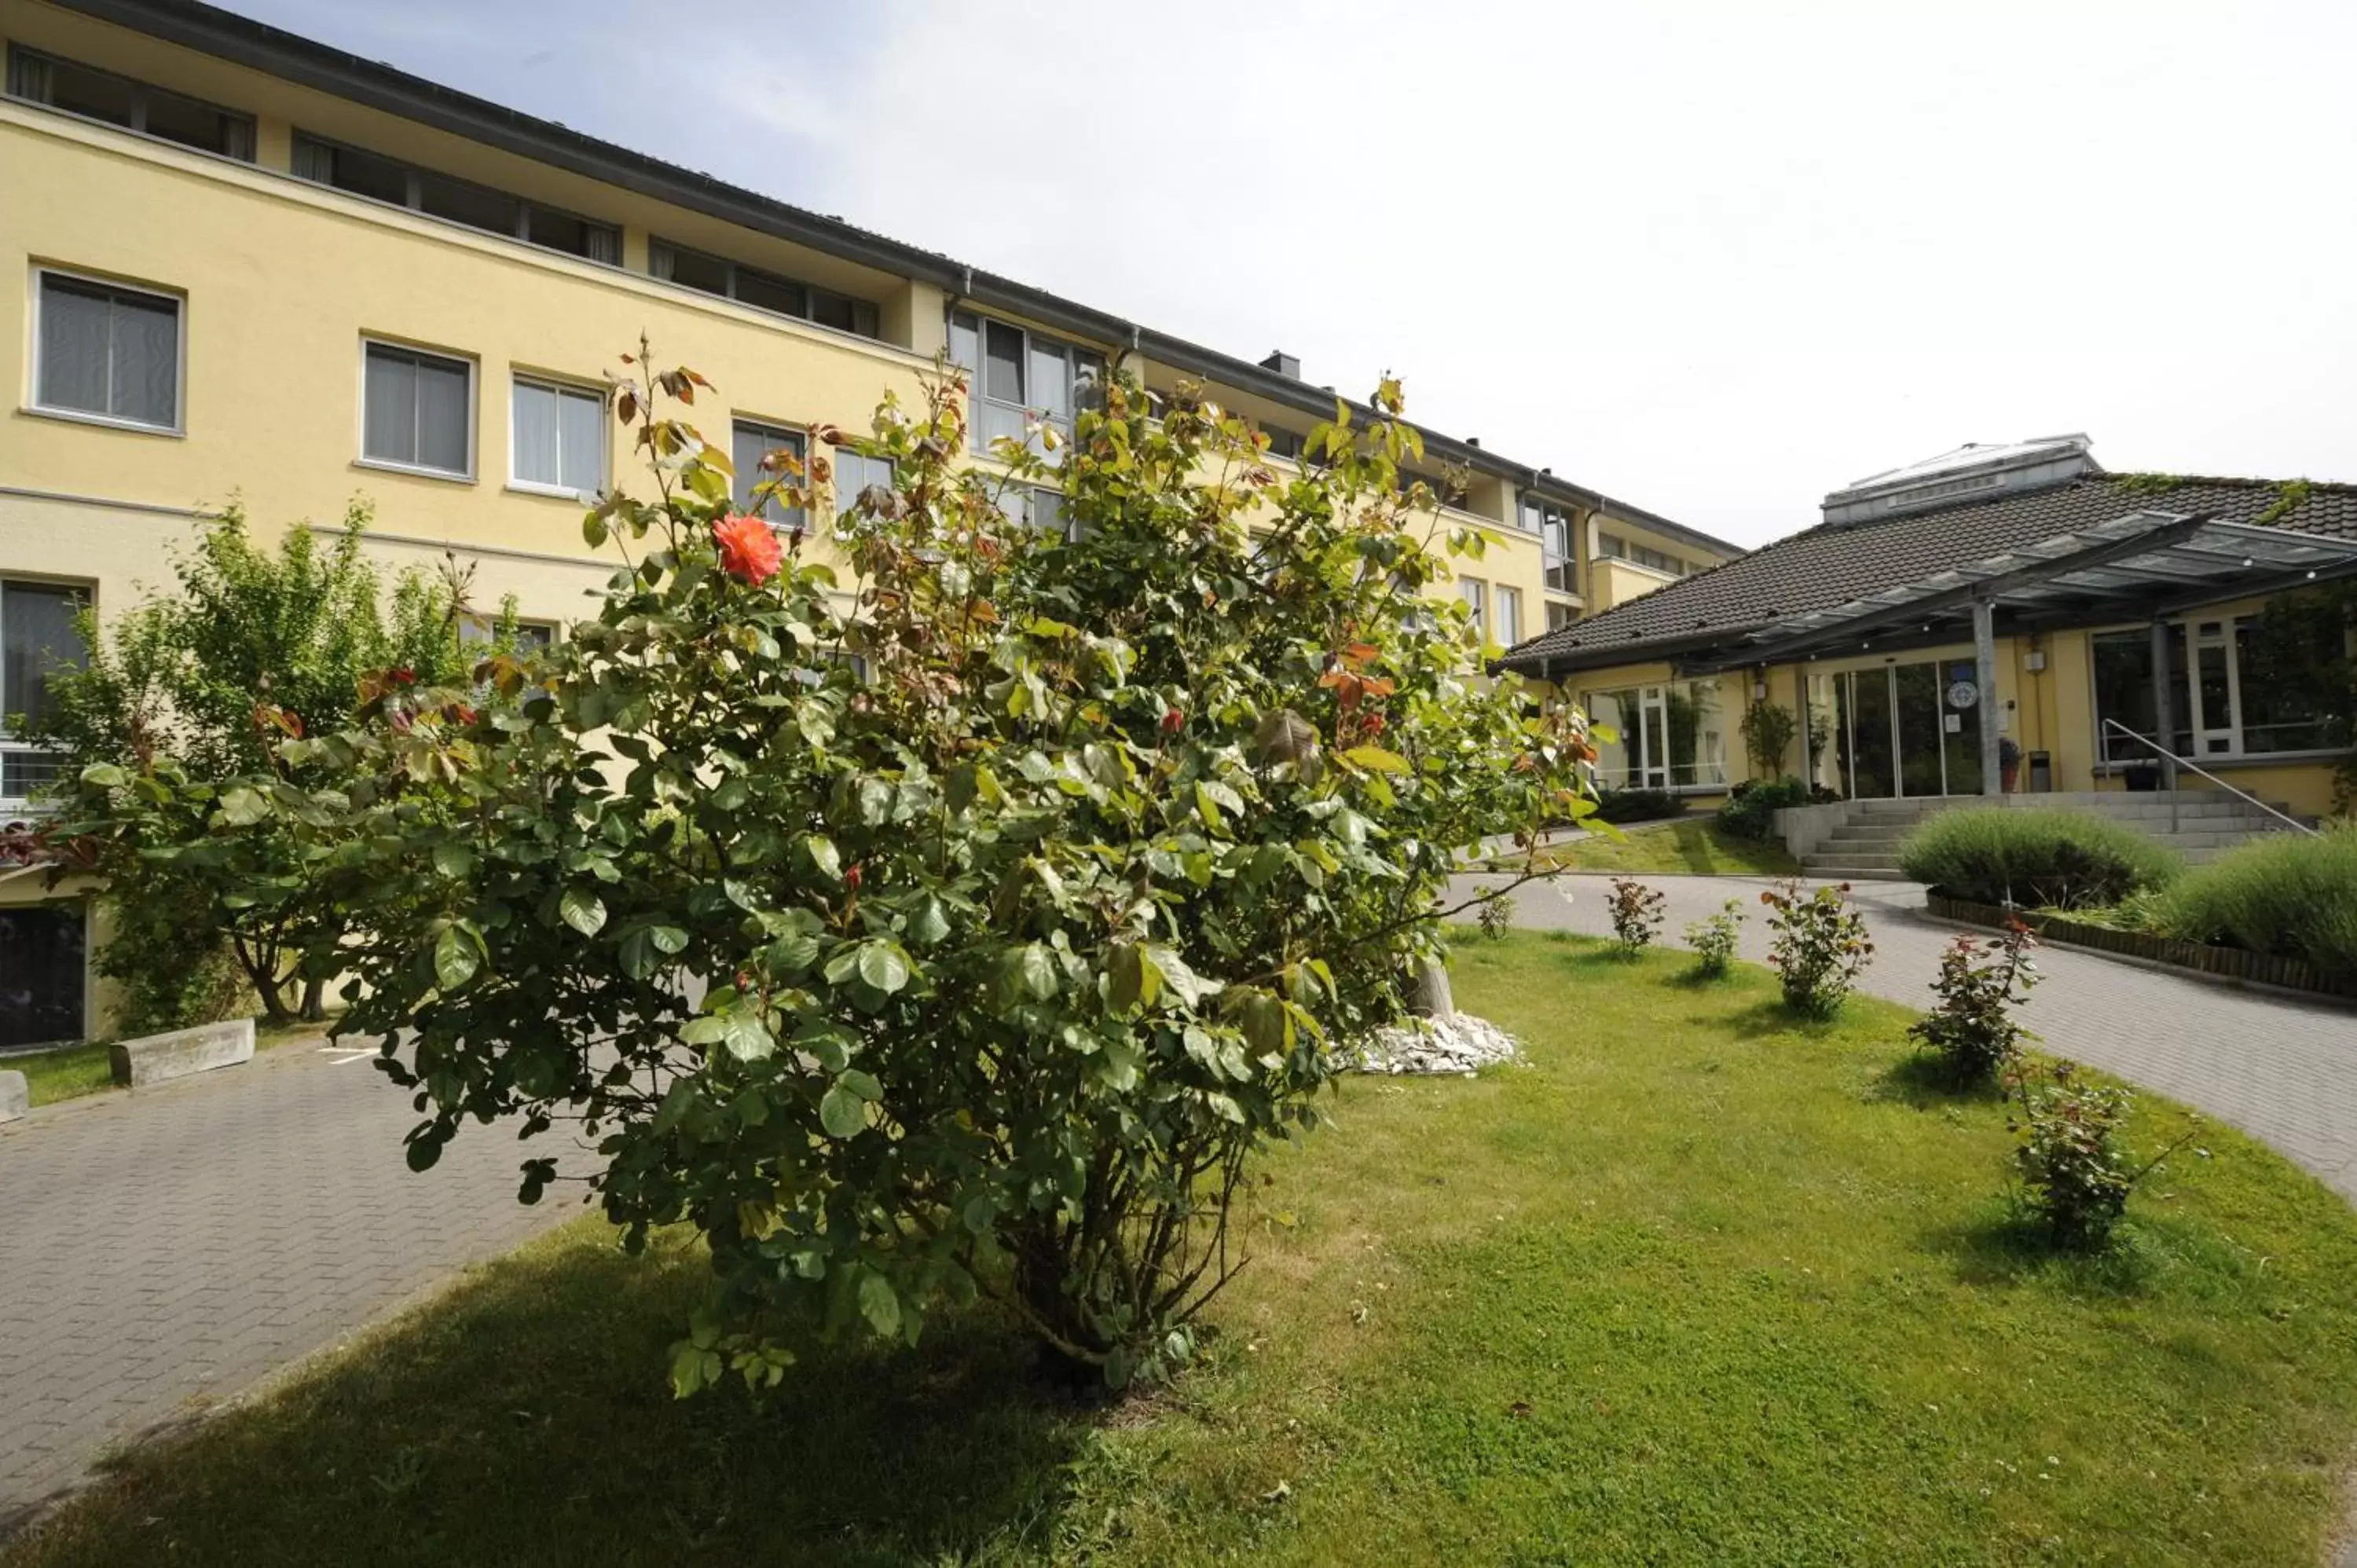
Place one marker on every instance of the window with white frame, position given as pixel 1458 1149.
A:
pixel 102 350
pixel 2232 693
pixel 479 630
pixel 762 290
pixel 1666 736
pixel 1509 630
pixel 1553 524
pixel 153 111
pixel 1475 594
pixel 855 473
pixel 39 632
pixel 1018 375
pixel 381 178
pixel 417 411
pixel 557 437
pixel 753 448
pixel 1621 549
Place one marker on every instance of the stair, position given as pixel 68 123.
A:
pixel 1864 845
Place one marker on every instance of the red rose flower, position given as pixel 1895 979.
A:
pixel 749 549
pixel 1173 721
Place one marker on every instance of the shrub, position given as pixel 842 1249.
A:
pixel 1637 805
pixel 1749 811
pixel 1819 947
pixel 1712 939
pixel 2078 1170
pixel 986 964
pixel 2284 892
pixel 1980 984
pixel 1768 732
pixel 1496 915
pixel 2038 859
pixel 1636 914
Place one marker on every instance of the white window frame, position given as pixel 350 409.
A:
pixel 1506 602
pixel 179 303
pixel 474 412
pixel 1475 592
pixel 2187 710
pixel 22 804
pixel 560 386
pixel 769 429
pixel 1032 412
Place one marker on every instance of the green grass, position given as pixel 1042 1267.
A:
pixel 69 1072
pixel 1697 1284
pixel 1686 848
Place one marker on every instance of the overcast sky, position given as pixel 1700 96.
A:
pixel 1713 259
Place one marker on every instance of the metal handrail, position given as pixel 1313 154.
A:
pixel 2177 761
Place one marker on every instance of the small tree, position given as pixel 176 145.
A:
pixel 171 726
pixel 982 963
pixel 1767 736
pixel 1637 915
pixel 1714 939
pixel 1979 985
pixel 1818 948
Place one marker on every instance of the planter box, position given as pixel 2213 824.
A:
pixel 2197 958
pixel 154 1059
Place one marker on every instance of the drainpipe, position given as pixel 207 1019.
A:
pixel 1984 670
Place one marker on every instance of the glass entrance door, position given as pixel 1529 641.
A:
pixel 1901 730
pixel 1862 734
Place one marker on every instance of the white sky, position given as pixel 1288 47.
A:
pixel 1712 258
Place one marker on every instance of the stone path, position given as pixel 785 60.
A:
pixel 162 1249
pixel 2282 1070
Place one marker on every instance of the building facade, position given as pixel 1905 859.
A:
pixel 1995 618
pixel 248 266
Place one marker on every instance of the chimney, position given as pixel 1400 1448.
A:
pixel 1283 363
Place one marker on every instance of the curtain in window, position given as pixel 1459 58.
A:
pixel 581 437
pixel 604 246
pixel 315 161
pixel 442 415
pixel 36 634
pixel 539 449
pixel 146 359
pixel 751 443
pixel 389 420
pixel 1002 369
pixel 75 332
pixel 28 75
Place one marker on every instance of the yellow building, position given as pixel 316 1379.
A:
pixel 1998 619
pixel 248 265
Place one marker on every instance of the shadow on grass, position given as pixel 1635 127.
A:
pixel 2008 1245
pixel 1923 1081
pixel 1770 1018
pixel 525 1418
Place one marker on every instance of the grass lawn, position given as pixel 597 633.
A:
pixel 71 1071
pixel 1694 1286
pixel 1693 847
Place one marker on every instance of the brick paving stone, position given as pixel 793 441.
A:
pixel 2280 1069
pixel 179 1242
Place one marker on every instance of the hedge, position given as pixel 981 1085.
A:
pixel 2038 859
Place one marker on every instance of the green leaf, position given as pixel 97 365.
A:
pixel 843 1113
pixel 456 958
pixel 824 856
pixel 883 966
pixel 746 1035
pixel 242 806
pixel 931 922
pixel 583 910
pixel 1035 967
pixel 1375 759
pixel 104 776
pixel 454 860
pixel 668 940
pixel 862 1084
pixel 705 1029
pixel 880 1305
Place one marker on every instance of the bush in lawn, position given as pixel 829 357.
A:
pixel 1979 985
pixel 2283 893
pixel 986 967
pixel 2071 1155
pixel 1712 939
pixel 2038 859
pixel 1636 914
pixel 1820 946
pixel 1495 916
pixel 1750 813
pixel 1637 805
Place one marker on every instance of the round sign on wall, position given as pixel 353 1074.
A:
pixel 1963 695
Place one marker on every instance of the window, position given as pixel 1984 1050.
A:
pixel 2233 692
pixel 42 950
pixel 1035 506
pixel 1283 442
pixel 1510 616
pixel 557 437
pixel 1553 524
pixel 417 411
pixel 1667 736
pixel 1017 374
pixel 103 95
pixel 750 445
pixel 855 473
pixel 1443 490
pixel 107 353
pixel 477 630
pixel 763 290
pixel 1643 555
pixel 381 178
pixel 1560 615
pixel 1476 593
pixel 38 634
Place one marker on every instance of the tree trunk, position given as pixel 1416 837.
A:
pixel 1429 995
pixel 315 999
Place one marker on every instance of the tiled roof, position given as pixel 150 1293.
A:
pixel 1833 563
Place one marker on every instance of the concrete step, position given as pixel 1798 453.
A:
pixel 1856 854
pixel 1846 873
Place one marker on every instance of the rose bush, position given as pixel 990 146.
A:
pixel 962 926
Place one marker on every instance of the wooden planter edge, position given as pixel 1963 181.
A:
pixel 2195 958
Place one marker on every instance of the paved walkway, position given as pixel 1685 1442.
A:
pixel 2282 1070
pixel 164 1248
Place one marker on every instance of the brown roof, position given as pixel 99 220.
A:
pixel 1833 563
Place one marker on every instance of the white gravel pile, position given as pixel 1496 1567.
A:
pixel 1459 1044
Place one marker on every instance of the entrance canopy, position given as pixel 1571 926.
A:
pixel 2140 567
